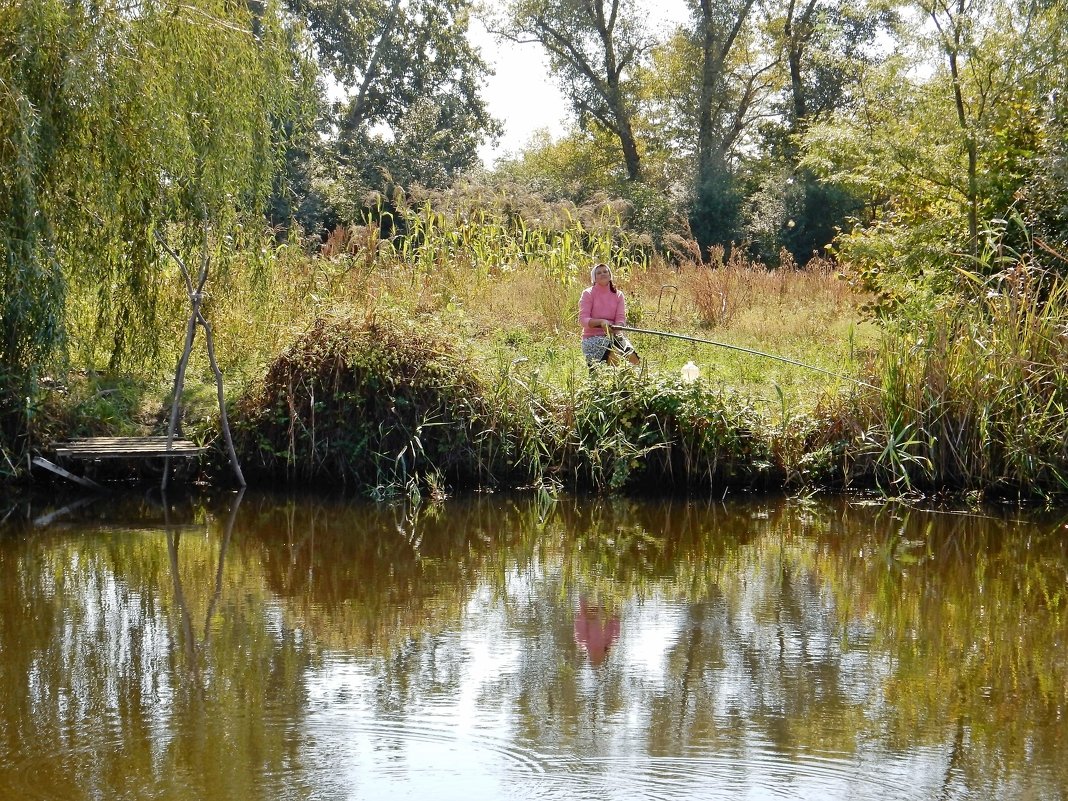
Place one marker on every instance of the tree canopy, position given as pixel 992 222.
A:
pixel 407 107
pixel 594 48
pixel 947 139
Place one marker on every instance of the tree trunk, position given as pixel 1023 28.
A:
pixel 716 45
pixel 973 157
pixel 797 31
pixel 624 130
pixel 951 44
pixel 358 109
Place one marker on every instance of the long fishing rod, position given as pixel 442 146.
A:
pixel 750 351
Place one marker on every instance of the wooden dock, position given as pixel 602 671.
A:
pixel 125 448
pixel 91 449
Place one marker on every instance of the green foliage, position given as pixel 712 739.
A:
pixel 31 283
pixel 938 157
pixel 410 114
pixel 574 167
pixel 88 405
pixel 828 47
pixel 1045 203
pixel 115 125
pixel 594 49
pixel 668 83
pixel 797 213
pixel 817 214
pixel 715 217
pixel 582 168
pixel 632 429
pixel 974 396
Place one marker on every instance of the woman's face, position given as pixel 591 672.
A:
pixel 602 275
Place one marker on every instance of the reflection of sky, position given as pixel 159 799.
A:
pixel 125 641
pixel 761 677
pixel 455 726
pixel 649 629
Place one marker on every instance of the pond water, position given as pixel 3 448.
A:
pixel 524 647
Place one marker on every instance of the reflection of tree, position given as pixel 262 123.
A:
pixel 806 628
pixel 617 551
pixel 193 651
pixel 101 673
pixel 800 622
pixel 361 576
pixel 973 611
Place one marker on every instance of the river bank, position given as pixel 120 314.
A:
pixel 405 384
pixel 390 408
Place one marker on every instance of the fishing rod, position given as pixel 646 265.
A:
pixel 750 351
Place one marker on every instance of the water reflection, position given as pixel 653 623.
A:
pixel 519 648
pixel 596 630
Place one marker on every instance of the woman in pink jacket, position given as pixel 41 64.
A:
pixel 601 305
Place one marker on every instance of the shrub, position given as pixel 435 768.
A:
pixel 637 430
pixel 973 397
pixel 383 403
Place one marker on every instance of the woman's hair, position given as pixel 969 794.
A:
pixel 593 275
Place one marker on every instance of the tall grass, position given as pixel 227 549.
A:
pixel 974 398
pixel 400 408
pixel 973 395
pixel 808 315
pixel 468 246
pixel 506 289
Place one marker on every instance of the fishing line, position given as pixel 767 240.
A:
pixel 750 351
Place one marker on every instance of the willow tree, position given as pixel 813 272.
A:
pixel 118 118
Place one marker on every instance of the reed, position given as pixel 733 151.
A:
pixel 631 429
pixel 974 398
pixel 438 345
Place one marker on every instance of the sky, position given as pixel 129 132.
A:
pixel 524 96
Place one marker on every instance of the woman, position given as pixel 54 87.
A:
pixel 601 306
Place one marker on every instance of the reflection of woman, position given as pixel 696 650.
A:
pixel 601 307
pixel 595 630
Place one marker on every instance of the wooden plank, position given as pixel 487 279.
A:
pixel 125 448
pixel 125 454
pixel 59 471
pixel 104 441
pixel 177 447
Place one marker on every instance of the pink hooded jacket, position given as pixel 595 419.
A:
pixel 600 302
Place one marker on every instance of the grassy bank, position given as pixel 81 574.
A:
pixel 451 359
pixel 508 337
